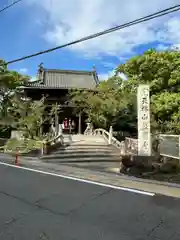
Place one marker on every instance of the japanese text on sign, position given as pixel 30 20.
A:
pixel 144 141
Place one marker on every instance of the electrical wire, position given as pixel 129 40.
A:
pixel 137 21
pixel 9 6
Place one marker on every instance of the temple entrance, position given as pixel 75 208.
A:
pixel 69 125
pixel 72 123
pixel 66 121
pixel 55 85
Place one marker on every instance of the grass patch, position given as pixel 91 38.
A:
pixel 22 145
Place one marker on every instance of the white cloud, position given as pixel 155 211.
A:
pixel 123 76
pixel 33 78
pixel 162 47
pixel 176 46
pixel 23 70
pixel 105 76
pixel 69 20
pixel 111 65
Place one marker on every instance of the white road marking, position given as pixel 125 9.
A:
pixel 79 179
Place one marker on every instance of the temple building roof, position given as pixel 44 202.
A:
pixel 64 79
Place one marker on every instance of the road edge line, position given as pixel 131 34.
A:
pixel 80 179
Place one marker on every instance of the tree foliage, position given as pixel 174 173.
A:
pixel 161 70
pixel 9 83
pixel 16 111
pixel 107 105
pixel 28 117
pixel 114 101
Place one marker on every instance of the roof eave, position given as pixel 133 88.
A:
pixel 57 88
pixel 68 71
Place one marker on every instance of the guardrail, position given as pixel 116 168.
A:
pixel 169 145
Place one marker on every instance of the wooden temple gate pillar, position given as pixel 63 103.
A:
pixel 57 120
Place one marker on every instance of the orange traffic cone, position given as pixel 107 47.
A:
pixel 17 158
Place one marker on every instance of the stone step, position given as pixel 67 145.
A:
pixel 88 150
pixel 83 138
pixel 82 150
pixel 90 143
pixel 93 141
pixel 89 146
pixel 81 155
pixel 77 136
pixel 72 159
pixel 89 140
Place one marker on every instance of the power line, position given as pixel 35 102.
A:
pixel 9 6
pixel 137 21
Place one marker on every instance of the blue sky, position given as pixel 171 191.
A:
pixel 35 25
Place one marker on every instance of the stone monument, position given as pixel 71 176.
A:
pixel 144 131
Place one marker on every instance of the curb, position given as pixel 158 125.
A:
pixel 9 156
pixel 26 160
pixel 136 179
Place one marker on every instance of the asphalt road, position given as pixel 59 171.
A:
pixel 39 206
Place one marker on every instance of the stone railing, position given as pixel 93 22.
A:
pixel 110 139
pixel 131 146
pixel 89 129
pixel 162 144
pixel 48 146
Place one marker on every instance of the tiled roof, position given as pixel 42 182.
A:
pixel 66 79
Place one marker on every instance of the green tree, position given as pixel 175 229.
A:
pixel 9 83
pixel 28 116
pixel 161 70
pixel 114 101
pixel 106 105
pixel 166 112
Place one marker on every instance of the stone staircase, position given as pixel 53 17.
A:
pixel 85 151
